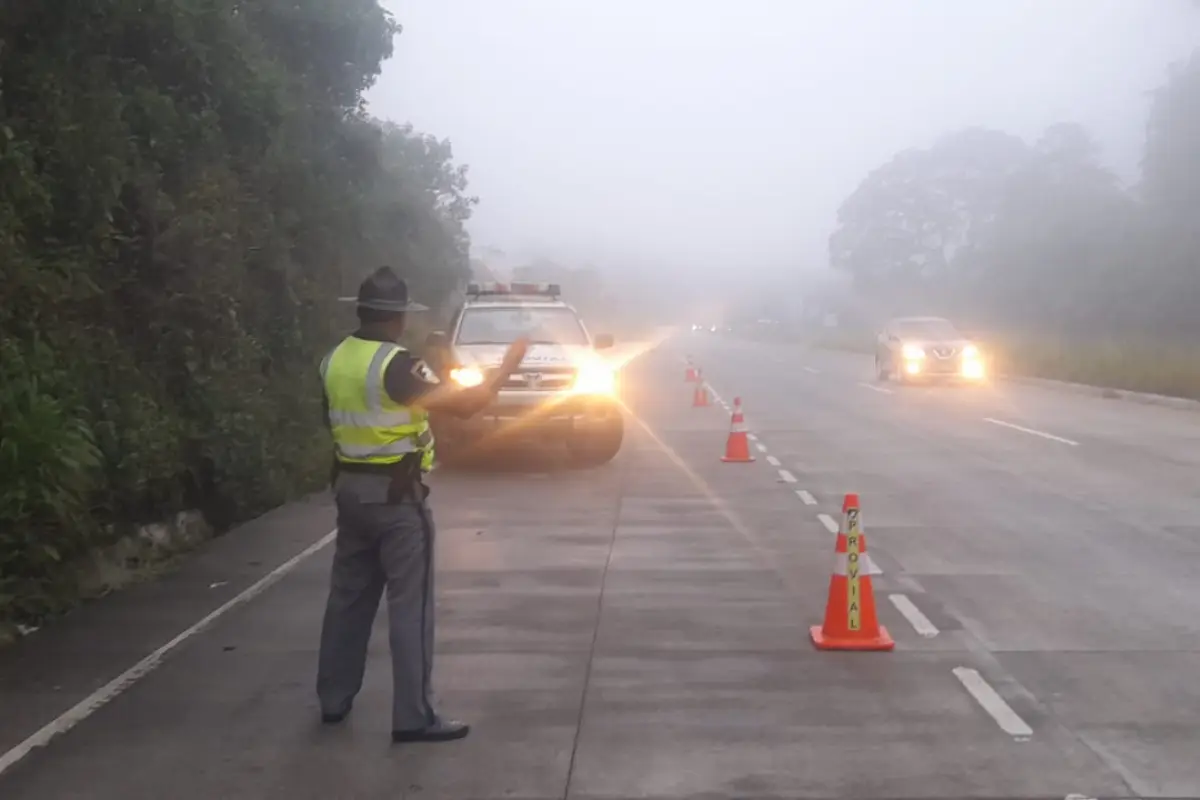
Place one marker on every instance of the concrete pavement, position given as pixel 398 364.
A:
pixel 640 630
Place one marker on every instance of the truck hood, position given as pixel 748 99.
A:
pixel 539 355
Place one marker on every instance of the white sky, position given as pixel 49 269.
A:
pixel 719 136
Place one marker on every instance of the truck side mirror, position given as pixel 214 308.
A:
pixel 604 341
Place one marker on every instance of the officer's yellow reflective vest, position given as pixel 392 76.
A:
pixel 368 426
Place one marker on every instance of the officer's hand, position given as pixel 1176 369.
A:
pixel 514 356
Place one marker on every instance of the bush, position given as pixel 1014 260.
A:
pixel 185 191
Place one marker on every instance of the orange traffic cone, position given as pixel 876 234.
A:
pixel 692 374
pixel 737 446
pixel 700 396
pixel 850 621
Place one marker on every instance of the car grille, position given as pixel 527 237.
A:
pixel 547 379
pixel 944 352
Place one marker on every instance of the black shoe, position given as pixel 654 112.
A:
pixel 335 718
pixel 444 730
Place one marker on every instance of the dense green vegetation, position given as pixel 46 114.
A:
pixel 1068 273
pixel 186 187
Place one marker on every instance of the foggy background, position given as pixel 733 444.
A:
pixel 697 138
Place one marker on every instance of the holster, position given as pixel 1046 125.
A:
pixel 407 485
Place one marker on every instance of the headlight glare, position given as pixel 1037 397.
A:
pixel 466 377
pixel 595 379
pixel 913 352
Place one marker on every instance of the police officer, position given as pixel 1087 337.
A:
pixel 378 398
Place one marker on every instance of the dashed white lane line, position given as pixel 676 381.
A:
pixel 808 499
pixel 812 370
pixel 97 699
pixel 762 448
pixel 1030 431
pixel 919 621
pixel 787 476
pixel 875 388
pixel 829 522
pixel 773 461
pixel 752 437
pixel 992 702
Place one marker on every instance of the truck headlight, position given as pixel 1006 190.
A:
pixel 595 379
pixel 466 377
pixel 912 352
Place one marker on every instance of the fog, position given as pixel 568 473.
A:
pixel 707 136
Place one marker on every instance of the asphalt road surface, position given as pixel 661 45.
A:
pixel 641 630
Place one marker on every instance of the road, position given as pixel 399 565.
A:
pixel 641 630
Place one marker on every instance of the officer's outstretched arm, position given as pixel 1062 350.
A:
pixel 418 386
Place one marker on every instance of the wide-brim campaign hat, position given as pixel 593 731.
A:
pixel 384 290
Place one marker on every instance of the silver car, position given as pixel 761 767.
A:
pixel 912 349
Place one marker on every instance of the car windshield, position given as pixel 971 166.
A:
pixel 555 325
pixel 925 329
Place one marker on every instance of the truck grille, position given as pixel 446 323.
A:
pixel 548 379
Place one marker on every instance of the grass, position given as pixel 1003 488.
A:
pixel 1164 368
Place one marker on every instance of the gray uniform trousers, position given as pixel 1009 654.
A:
pixel 380 546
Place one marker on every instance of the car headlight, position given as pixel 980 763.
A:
pixel 973 369
pixel 912 352
pixel 466 377
pixel 970 351
pixel 595 379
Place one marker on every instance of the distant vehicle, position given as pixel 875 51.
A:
pixel 564 389
pixel 911 349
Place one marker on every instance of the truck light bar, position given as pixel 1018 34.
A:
pixel 493 288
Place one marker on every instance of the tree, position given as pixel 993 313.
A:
pixel 909 222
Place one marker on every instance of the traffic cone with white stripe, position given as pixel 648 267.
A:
pixel 700 395
pixel 692 375
pixel 850 620
pixel 737 446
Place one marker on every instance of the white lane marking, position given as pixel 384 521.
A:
pixel 97 699
pixel 752 437
pixel 773 461
pixel 813 371
pixel 762 448
pixel 875 388
pixel 919 621
pixel 1031 431
pixel 829 522
pixel 787 476
pixel 808 499
pixel 992 702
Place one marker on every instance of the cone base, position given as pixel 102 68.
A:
pixel 746 460
pixel 882 641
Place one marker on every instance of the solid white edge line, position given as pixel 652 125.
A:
pixel 787 476
pixel 1030 431
pixel 808 499
pixel 99 698
pixel 829 522
pixel 762 448
pixel 773 461
pixel 919 621
pixel 874 388
pixel 992 702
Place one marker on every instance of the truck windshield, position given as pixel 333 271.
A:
pixel 933 329
pixel 503 325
